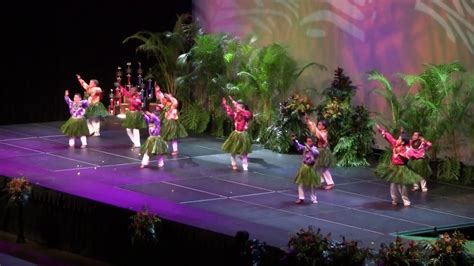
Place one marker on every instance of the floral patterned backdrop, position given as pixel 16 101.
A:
pixel 393 36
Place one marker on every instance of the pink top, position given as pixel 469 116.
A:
pixel 419 153
pixel 171 109
pixel 135 101
pixel 321 135
pixel 400 153
pixel 241 117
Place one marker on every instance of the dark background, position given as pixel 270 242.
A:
pixel 46 44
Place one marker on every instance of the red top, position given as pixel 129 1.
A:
pixel 419 153
pixel 400 153
pixel 241 117
pixel 135 101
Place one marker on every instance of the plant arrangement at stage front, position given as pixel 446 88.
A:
pixel 309 247
pixel 449 250
pixel 350 128
pixel 347 252
pixel 18 191
pixel 399 253
pixel 144 226
pixel 289 121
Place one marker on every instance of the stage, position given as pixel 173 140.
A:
pixel 198 187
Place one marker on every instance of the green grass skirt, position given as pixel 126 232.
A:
pixel 172 129
pixel 307 176
pixel 421 167
pixel 399 174
pixel 75 127
pixel 154 145
pixel 326 159
pixel 134 119
pixel 96 110
pixel 238 143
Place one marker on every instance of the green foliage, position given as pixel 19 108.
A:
pixel 449 170
pixel 195 118
pixel 268 74
pixel 289 121
pixel 346 152
pixel 350 128
pixel 442 108
pixel 164 48
pixel 396 104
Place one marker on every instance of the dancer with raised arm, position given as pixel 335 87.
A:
pixel 96 110
pixel 76 125
pixel 172 129
pixel 307 176
pixel 396 172
pixel 133 119
pixel 326 159
pixel 239 141
pixel 418 162
pixel 154 145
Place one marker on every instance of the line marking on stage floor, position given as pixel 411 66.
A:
pixel 195 189
pixel 71 159
pixel 242 184
pixel 21 147
pixel 202 200
pixel 311 217
pixel 113 154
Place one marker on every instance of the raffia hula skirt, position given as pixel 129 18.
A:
pixel 172 129
pixel 421 167
pixel 97 110
pixel 399 174
pixel 154 145
pixel 307 176
pixel 238 142
pixel 75 127
pixel 134 119
pixel 326 158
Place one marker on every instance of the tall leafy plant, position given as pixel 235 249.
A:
pixel 267 77
pixel 164 48
pixel 443 108
pixel 350 128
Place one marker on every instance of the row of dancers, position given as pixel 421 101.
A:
pixel 408 165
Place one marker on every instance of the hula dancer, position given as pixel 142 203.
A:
pixel 397 173
pixel 306 176
pixel 418 162
pixel 154 145
pixel 239 141
pixel 133 119
pixel 172 129
pixel 96 111
pixel 76 126
pixel 326 159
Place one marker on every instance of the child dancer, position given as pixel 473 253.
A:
pixel 154 145
pixel 134 118
pixel 396 172
pixel 239 141
pixel 172 129
pixel 76 126
pixel 326 159
pixel 418 161
pixel 306 176
pixel 96 111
